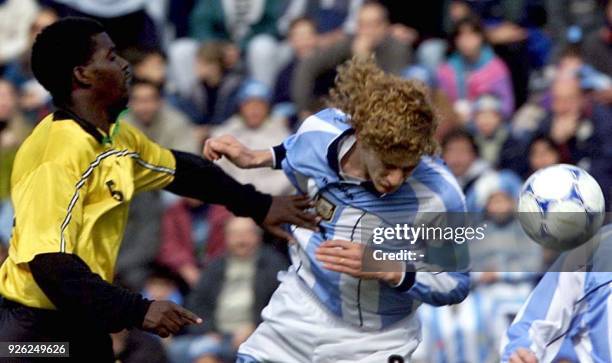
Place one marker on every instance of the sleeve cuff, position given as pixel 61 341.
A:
pixel 408 278
pixel 278 155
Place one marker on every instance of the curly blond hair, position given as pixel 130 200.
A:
pixel 390 115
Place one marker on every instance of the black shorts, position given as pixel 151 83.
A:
pixel 19 323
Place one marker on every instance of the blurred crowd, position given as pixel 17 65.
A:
pixel 518 85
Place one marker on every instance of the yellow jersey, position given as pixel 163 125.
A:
pixel 71 186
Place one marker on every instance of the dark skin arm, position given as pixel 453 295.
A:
pixel 198 178
pixel 71 285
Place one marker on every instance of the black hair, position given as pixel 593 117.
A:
pixel 471 21
pixel 460 134
pixel 545 139
pixel 59 48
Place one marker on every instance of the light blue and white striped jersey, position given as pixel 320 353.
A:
pixel 310 159
pixel 569 306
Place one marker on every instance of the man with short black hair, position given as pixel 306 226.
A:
pixel 71 186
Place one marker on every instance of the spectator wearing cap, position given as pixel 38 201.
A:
pixel 255 127
pixel 492 135
pixel 505 261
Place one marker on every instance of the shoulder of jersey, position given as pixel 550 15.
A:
pixel 434 174
pixel 59 140
pixel 330 120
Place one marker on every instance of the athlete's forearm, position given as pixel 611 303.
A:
pixel 75 290
pixel 262 158
pixel 198 178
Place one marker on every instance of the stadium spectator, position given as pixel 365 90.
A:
pixel 303 39
pixel 207 91
pixel 506 25
pixel 542 152
pixel 492 135
pixel 232 292
pixel 256 128
pixel 16 17
pixel 372 36
pixel 148 64
pixel 568 125
pixel 460 152
pixel 192 236
pixel 473 69
pixel 252 25
pixel 158 120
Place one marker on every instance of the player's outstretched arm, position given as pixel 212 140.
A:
pixel 84 296
pixel 217 147
pixel 198 178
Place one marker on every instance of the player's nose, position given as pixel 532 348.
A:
pixel 395 178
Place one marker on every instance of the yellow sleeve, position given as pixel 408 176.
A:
pixel 154 168
pixel 48 212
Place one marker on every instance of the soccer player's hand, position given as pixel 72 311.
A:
pixel 523 355
pixel 236 152
pixel 165 317
pixel 290 210
pixel 347 257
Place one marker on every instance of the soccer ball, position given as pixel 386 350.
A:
pixel 561 207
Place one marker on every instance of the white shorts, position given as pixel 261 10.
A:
pixel 297 328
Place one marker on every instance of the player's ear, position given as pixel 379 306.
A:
pixel 82 75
